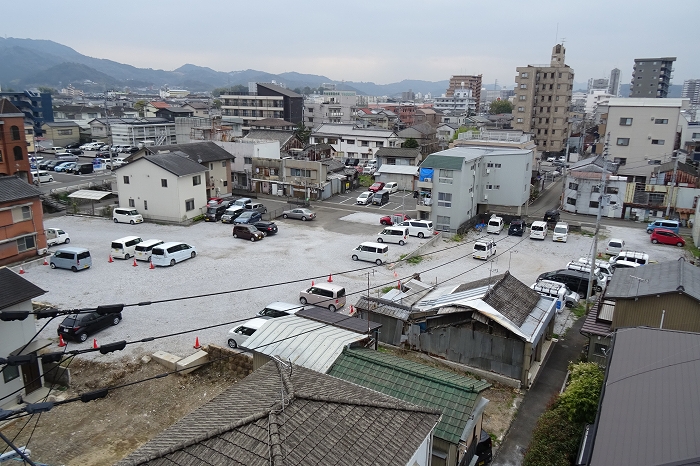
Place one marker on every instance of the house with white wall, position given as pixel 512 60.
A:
pixel 165 187
pixel 583 184
pixel 349 141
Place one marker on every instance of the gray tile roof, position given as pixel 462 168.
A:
pixel 649 413
pixel 384 307
pixel 292 416
pixel 662 278
pixel 512 298
pixel 8 108
pixel 271 135
pixel 492 280
pixel 12 188
pixel 60 124
pixel 207 151
pixel 398 152
pixel 15 289
pixel 176 163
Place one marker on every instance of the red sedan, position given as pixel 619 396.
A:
pixel 388 220
pixel 664 236
pixel 376 187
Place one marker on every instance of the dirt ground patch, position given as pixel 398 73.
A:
pixel 104 431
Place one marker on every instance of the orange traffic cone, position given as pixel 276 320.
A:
pixel 352 310
pixel 196 343
pixel 395 274
pixel 61 343
pixel 110 259
pixel 600 255
pixel 46 261
pixel 312 283
pixel 21 270
pixel 134 264
pixel 330 278
pixel 151 266
pixel 398 287
pixel 94 343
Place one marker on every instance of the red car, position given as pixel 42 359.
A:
pixel 376 187
pixel 214 201
pixel 388 219
pixel 664 236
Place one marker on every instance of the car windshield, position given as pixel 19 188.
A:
pixel 246 214
pixel 480 247
pixel 559 230
pixel 157 252
pixel 69 321
pixel 133 212
pixel 211 210
pixel 494 223
pixel 614 244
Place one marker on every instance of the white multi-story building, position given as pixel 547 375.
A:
pixel 134 131
pixel 331 107
pixel 349 141
pixel 583 184
pixel 462 102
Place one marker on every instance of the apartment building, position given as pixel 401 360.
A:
pixel 651 77
pixel 14 158
pixel 332 107
pixel 465 81
pixel 36 106
pixel 134 131
pixel 266 101
pixel 614 86
pixel 542 101
pixel 461 102
pixel 349 141
pixel 691 90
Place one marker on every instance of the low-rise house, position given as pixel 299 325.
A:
pixel 152 107
pixel 428 115
pixel 446 131
pixel 17 338
pixel 61 133
pixel 584 182
pixel 21 221
pixel 287 414
pixel 171 113
pixel 288 140
pixel 199 109
pixel 348 141
pixel 398 164
pixel 165 187
pixel 80 114
pixel 649 408
pixel 458 397
pixel 134 131
pixel 398 156
pixel 425 134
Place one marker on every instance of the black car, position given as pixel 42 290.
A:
pixel 516 228
pixel 102 154
pixel 483 451
pixel 576 280
pixel 75 151
pixel 214 213
pixel 73 145
pixel 551 216
pixel 268 228
pixel 53 163
pixel 44 164
pixel 249 216
pixel 79 326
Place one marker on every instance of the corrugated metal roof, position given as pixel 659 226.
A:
pixel 302 341
pixel 650 408
pixel 89 194
pixel 384 307
pixel 662 278
pixel 325 316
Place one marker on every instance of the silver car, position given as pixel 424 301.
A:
pixel 302 214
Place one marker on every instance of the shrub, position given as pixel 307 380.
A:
pixel 554 441
pixel 414 260
pixel 107 211
pixel 580 399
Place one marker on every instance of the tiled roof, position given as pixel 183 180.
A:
pixel 398 152
pixel 512 298
pixel 15 289
pixel 286 414
pixel 384 307
pixel 175 110
pixel 271 135
pixel 453 394
pixel 665 277
pixel 197 105
pixel 176 163
pixel 492 280
pixel 12 188
pixel 6 107
pixel 333 165
pixel 207 151
pixel 160 104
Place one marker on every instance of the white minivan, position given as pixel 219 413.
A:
pixel 392 187
pixel 238 335
pixel 538 230
pixel 125 248
pixel 495 225
pixel 371 252
pixel 324 295
pixel 142 251
pixel 172 253
pixel 42 176
pixel 419 228
pixel 484 248
pixel 121 215
pixel 396 235
pixel 560 232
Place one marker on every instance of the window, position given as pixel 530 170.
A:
pixel 223 164
pixel 658 142
pixel 493 186
pixel 571 201
pixel 163 183
pixel 695 136
pixel 623 141
pixel 248 160
pixel 661 121
pixel 593 204
pixel 497 165
pixel 349 141
pixel 625 121
pixel 18 153
pixel 600 349
pixel 145 204
pixel 189 205
pixel 364 143
pixel 300 172
pixel 10 373
pixel 445 176
pixel 522 97
pixel 523 75
pixel 444 199
pixel 595 189
pixel 132 203
pixel 442 223
pixel 196 180
pixel 612 190
pixel 519 120
pixel 126 179
pixel 559 75
pixel 521 109
pixel 523 86
pixel 620 160
pixel 15 133
pixel 573 186
pixel 65 132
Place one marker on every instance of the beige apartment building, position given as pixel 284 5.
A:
pixel 465 81
pixel 542 101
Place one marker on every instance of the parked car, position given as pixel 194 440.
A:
pixel 280 309
pixel 664 236
pixel 517 227
pixel 267 228
pixel 81 169
pixel 378 186
pixel 79 326
pixel 249 216
pixel 495 225
pixel 44 164
pixel 116 163
pixel 232 213
pixel 388 220
pixel 238 335
pixel 301 214
pixel 71 258
pixel 214 213
pixel 247 232
pixel 51 164
pixel 56 236
pixel 73 145
pixel 392 187
pixel 103 154
pixel 172 253
pixel 673 225
pixel 638 257
pixel 75 151
pixel 365 198
pixel 67 157
pixel 484 248
pixel 122 215
pixel 550 159
pixel 214 201
pixel 41 176
pixel 576 280
pixel 419 228
pixel 551 216
pixel 614 246
pixel 64 167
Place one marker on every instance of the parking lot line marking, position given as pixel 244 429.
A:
pixel 344 200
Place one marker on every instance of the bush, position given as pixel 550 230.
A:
pixel 107 211
pixel 554 441
pixel 580 399
pixel 414 260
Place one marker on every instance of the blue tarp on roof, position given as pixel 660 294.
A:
pixel 426 173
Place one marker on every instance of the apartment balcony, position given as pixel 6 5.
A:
pixel 425 184
pixel 424 208
pixel 335 114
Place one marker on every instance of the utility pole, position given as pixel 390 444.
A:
pixel 671 188
pixel 601 200
pixel 563 169
pixel 110 141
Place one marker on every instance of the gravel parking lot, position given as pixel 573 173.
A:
pixel 300 250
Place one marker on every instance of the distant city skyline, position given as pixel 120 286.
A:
pixel 361 43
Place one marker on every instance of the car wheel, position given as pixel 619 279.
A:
pixel 378 262
pixel 252 238
pixel 649 231
pixel 192 256
pixel 421 235
pixel 126 256
pixel 598 289
pixel 132 222
pixel 303 219
pixel 82 336
pixel 331 308
pixel 74 269
pixel 115 220
pixel 67 240
pixel 53 266
pixel 679 244
pixel 383 222
pixel 116 320
pixel 172 262
pixel 232 343
pixel 285 215
pixel 655 241
pixel 379 240
pixel 303 301
pixel 569 304
pixel 354 257
pixel 401 242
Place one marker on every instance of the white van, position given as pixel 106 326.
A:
pixel 280 309
pixel 171 253
pixel 371 252
pixel 640 258
pixel 142 251
pixel 42 176
pixel 557 290
pixel 495 225
pixel 238 335
pixel 125 248
pixel 560 232
pixel 419 228
pixel 126 216
pixel 605 267
pixel 484 248
pixel 397 235
pixel 324 295
pixel 538 230
pixel 392 187
pixel 614 246
pixel 56 236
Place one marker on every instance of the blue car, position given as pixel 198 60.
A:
pixel 249 216
pixel 62 167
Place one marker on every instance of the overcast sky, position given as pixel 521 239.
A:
pixel 382 41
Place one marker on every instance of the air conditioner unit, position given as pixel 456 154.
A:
pixel 652 118
pixel 428 180
pixel 488 170
pixel 486 197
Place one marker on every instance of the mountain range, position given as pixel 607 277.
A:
pixel 30 63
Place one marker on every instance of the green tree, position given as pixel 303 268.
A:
pixel 303 132
pixel 297 90
pixel 580 399
pixel 217 103
pixel 463 129
pixel 500 106
pixel 554 441
pixel 411 143
pixel 306 90
pixel 50 90
pixel 140 105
